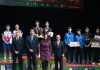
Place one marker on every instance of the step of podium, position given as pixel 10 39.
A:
pixel 85 65
pixel 24 58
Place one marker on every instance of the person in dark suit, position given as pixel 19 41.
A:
pixel 58 50
pixel 17 43
pixel 32 44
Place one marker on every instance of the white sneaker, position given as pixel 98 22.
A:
pixel 93 63
pixel 98 63
pixel 10 58
pixel 5 58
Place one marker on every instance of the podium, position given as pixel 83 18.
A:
pixel 81 67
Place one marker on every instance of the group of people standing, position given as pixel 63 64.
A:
pixel 84 53
pixel 39 43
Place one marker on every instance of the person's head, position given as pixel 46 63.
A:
pixel 58 37
pixel 32 32
pixel 78 31
pixel 69 29
pixel 7 27
pixel 17 33
pixel 87 29
pixel 47 23
pixel 45 37
pixel 97 30
pixel 37 23
pixel 16 26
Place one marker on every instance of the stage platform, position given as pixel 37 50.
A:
pixel 7 65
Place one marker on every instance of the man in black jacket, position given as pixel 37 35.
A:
pixel 17 43
pixel 32 44
pixel 58 49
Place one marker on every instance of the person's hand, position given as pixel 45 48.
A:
pixel 39 55
pixel 52 54
pixel 68 44
pixel 40 36
pixel 87 45
pixel 7 42
pixel 16 52
pixel 31 50
pixel 49 33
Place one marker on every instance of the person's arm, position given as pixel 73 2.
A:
pixel 13 33
pixel 83 40
pixel 75 39
pixel 21 33
pixel 39 50
pixel 28 46
pixel 4 39
pixel 63 48
pixel 73 36
pixel 50 30
pixel 66 39
pixel 53 48
pixel 41 31
pixel 26 43
pixel 90 43
pixel 13 45
pixel 38 46
pixel 90 39
pixel 21 45
pixel 50 46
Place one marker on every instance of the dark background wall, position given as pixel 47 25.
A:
pixel 59 19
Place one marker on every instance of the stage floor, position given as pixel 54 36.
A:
pixel 7 62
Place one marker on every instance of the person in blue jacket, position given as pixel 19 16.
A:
pixel 69 37
pixel 79 51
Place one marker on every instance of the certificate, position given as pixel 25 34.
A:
pixel 74 44
pixel 95 45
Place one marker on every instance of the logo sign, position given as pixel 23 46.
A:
pixel 90 68
pixel 74 68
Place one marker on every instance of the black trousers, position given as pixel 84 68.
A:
pixel 60 61
pixel 32 60
pixel 96 54
pixel 87 55
pixel 44 64
pixel 70 54
pixel 79 55
pixel 19 59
